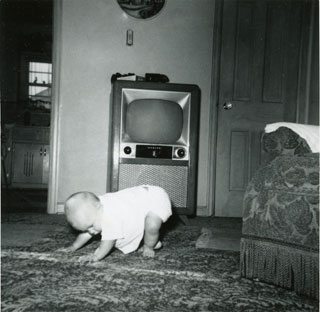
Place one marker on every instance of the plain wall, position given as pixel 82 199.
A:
pixel 178 43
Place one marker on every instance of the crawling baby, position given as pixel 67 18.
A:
pixel 122 218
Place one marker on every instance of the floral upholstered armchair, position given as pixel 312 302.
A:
pixel 280 233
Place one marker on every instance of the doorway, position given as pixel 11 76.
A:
pixel 26 79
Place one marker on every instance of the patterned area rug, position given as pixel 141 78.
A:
pixel 179 278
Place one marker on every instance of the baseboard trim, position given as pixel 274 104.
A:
pixel 202 211
pixel 60 208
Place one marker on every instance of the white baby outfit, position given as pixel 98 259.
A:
pixel 124 214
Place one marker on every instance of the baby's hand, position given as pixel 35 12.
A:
pixel 88 259
pixel 66 249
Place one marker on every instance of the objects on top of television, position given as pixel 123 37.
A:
pixel 156 78
pixel 129 76
pixel 149 77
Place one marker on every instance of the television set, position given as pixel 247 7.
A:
pixel 155 138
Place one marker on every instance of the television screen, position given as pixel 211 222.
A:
pixel 154 121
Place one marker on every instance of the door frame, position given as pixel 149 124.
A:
pixel 55 108
pixel 213 120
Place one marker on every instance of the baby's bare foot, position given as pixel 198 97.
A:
pixel 157 246
pixel 148 252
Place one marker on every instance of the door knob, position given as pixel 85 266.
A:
pixel 227 105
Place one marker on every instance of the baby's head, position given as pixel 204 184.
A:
pixel 82 211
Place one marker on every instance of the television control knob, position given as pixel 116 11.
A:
pixel 127 150
pixel 180 152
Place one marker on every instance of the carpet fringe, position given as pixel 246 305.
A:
pixel 280 265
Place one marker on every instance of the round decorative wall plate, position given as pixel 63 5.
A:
pixel 141 9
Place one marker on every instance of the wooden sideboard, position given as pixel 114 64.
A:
pixel 27 159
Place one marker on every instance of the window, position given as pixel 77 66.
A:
pixel 39 85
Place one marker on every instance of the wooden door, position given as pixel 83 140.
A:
pixel 258 70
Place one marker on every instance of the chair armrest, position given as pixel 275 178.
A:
pixel 283 141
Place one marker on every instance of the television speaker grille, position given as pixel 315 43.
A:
pixel 174 179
